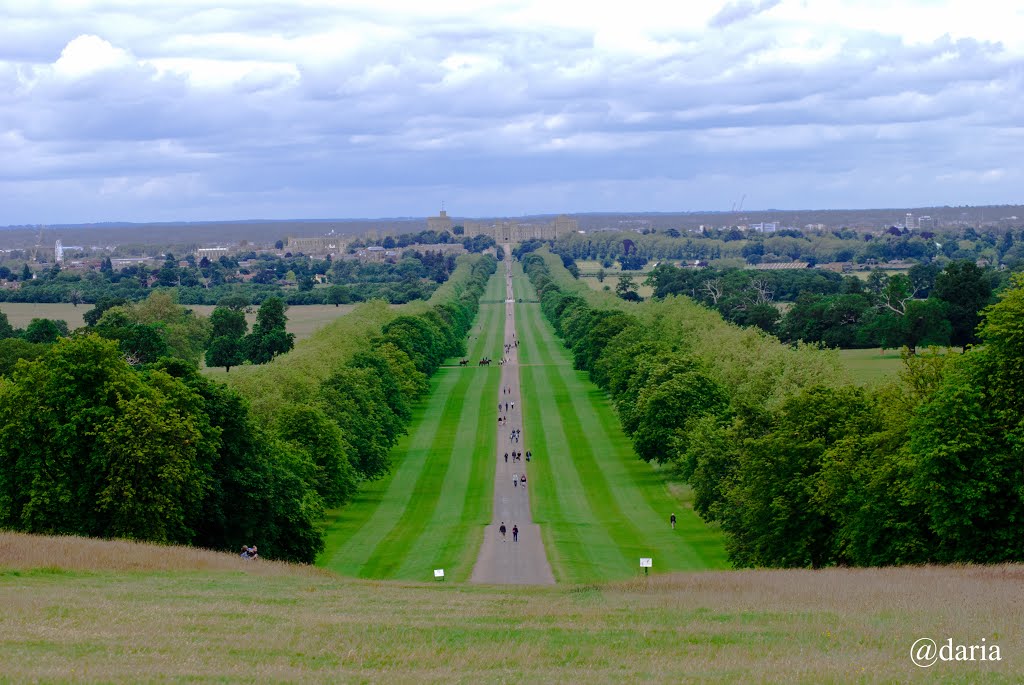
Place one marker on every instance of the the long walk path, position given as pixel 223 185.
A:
pixel 503 559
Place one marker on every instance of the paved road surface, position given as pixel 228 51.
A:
pixel 503 561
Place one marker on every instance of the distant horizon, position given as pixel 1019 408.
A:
pixel 116 223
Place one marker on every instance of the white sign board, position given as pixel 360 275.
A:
pixel 645 562
pixel 439 573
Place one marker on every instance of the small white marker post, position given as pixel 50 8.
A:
pixel 645 564
pixel 438 574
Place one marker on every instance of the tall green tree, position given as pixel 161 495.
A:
pixel 965 290
pixel 269 336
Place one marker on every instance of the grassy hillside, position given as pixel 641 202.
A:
pixel 61 623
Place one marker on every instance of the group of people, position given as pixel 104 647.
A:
pixel 515 532
pixel 249 552
pixel 517 456
pixel 514 435
pixel 506 405
pixel 518 478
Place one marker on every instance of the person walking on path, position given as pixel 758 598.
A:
pixel 672 520
pixel 502 530
pixel 515 533
pixel 506 457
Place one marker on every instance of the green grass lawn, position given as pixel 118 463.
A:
pixel 600 508
pixel 871 365
pixel 430 511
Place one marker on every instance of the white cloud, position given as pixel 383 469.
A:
pixel 87 55
pixel 248 104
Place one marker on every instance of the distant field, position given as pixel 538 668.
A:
pixel 255 622
pixel 612 282
pixel 303 320
pixel 868 366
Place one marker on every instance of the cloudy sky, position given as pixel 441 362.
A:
pixel 188 109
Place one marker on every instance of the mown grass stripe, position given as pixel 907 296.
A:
pixel 445 538
pixel 577 487
pixel 378 505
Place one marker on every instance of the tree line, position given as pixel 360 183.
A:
pixel 93 445
pixel 800 467
pixel 813 246
pixel 929 305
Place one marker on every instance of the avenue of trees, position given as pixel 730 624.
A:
pixel 96 442
pixel 799 466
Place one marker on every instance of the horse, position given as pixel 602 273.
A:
pixel 463 362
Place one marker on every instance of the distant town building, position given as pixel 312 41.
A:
pixel 778 266
pixel 317 245
pixel 925 222
pixel 443 248
pixel 765 227
pixel 375 253
pixel 212 253
pixel 509 231
pixel 58 252
pixel 439 223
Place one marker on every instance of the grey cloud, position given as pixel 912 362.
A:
pixel 739 10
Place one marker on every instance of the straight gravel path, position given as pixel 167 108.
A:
pixel 502 559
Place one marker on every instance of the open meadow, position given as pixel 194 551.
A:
pixel 871 365
pixel 109 617
pixel 303 320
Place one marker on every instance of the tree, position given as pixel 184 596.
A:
pixel 235 301
pixel 772 511
pixel 269 337
pixel 922 278
pixel 626 288
pixel 6 330
pixel 225 321
pixel 46 330
pixel 12 350
pixel 226 352
pixel 227 347
pixel 309 429
pixel 338 294
pixel 87 447
pixel 924 323
pixel 279 245
pixel 964 289
pixel 26 273
pixel 92 316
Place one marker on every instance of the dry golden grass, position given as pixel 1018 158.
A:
pixel 69 553
pixel 831 626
